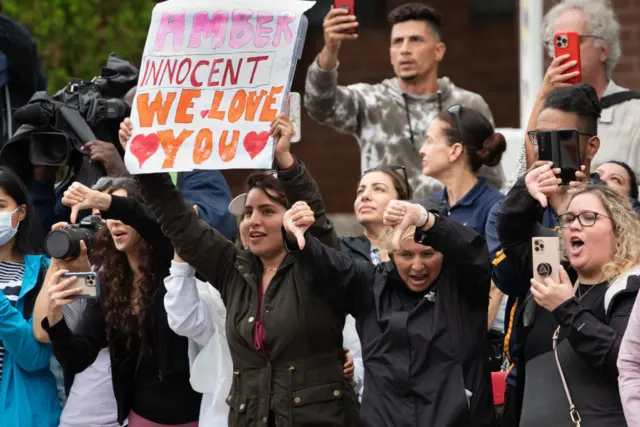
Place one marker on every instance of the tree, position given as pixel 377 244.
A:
pixel 75 37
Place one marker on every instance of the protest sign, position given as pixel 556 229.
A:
pixel 214 75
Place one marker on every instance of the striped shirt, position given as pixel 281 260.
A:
pixel 11 274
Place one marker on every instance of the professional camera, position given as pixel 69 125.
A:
pixel 54 128
pixel 65 242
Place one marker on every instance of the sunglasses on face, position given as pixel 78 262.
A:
pixel 535 136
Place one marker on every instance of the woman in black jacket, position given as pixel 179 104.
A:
pixel 421 318
pixel 584 318
pixel 375 189
pixel 150 367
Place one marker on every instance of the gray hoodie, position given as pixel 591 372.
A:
pixel 378 116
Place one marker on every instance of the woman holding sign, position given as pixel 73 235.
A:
pixel 284 336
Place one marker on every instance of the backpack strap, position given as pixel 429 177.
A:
pixel 618 98
pixel 32 295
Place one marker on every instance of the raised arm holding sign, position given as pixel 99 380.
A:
pixel 213 78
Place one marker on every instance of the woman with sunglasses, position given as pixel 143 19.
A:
pixel 285 341
pixel 459 142
pixel 375 189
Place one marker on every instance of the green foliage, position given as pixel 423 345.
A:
pixel 75 37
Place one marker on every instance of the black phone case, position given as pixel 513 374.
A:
pixel 554 153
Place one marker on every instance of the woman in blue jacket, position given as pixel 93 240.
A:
pixel 28 395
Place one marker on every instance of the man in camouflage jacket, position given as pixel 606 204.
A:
pixel 390 119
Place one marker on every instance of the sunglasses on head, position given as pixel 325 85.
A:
pixel 401 170
pixel 455 112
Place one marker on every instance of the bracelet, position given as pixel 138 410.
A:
pixel 424 217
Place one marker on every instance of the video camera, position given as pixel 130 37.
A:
pixel 64 243
pixel 54 128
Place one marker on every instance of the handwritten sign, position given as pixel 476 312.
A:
pixel 214 74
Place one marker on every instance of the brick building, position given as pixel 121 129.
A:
pixel 482 56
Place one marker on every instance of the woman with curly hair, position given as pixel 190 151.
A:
pixel 149 362
pixel 573 328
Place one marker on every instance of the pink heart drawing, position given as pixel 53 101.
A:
pixel 204 113
pixel 254 143
pixel 144 146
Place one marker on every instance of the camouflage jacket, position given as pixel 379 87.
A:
pixel 390 126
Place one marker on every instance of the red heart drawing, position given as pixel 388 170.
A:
pixel 254 143
pixel 204 113
pixel 144 146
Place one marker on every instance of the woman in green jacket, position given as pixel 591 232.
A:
pixel 285 340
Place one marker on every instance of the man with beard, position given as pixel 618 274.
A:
pixel 390 119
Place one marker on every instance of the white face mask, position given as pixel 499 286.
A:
pixel 6 227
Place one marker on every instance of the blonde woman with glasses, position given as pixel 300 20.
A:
pixel 577 325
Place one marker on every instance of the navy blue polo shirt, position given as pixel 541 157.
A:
pixel 473 209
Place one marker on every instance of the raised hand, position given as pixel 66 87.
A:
pixel 549 294
pixel 336 24
pixel 400 215
pixel 542 182
pixel 282 129
pixel 297 220
pixel 555 77
pixel 125 132
pixel 59 295
pixel 80 197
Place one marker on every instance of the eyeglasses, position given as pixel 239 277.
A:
pixel 585 37
pixel 586 219
pixel 401 170
pixel 455 112
pixel 563 134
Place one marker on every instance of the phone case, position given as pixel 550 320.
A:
pixel 294 116
pixel 350 5
pixel 569 43
pixel 562 147
pixel 88 282
pixel 546 258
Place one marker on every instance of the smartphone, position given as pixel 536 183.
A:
pixel 294 116
pixel 569 43
pixel 562 147
pixel 350 5
pixel 546 258
pixel 88 282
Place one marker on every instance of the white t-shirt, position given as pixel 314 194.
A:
pixel 91 400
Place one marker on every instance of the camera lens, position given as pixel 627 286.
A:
pixel 58 244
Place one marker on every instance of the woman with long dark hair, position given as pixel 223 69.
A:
pixel 149 362
pixel 286 343
pixel 28 394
